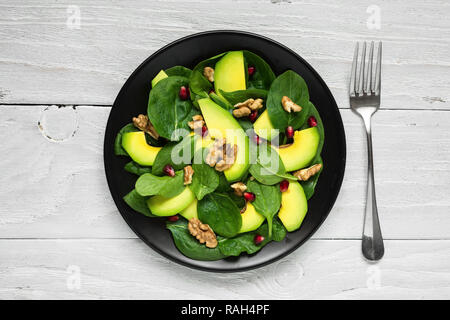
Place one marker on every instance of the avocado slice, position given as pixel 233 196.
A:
pixel 293 206
pixel 138 149
pixel 161 75
pixel 221 124
pixel 229 73
pixel 264 128
pixel 163 207
pixel 190 211
pixel 251 219
pixel 300 153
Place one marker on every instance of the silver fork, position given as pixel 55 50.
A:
pixel 365 92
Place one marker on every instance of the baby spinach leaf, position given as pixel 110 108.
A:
pixel 224 185
pixel 138 203
pixel 183 152
pixel 188 245
pixel 118 150
pixel 221 101
pixel 178 71
pixel 288 84
pixel 263 76
pixel 313 112
pixel 167 111
pixel 245 242
pixel 310 185
pixel 242 95
pixel 137 169
pixel 150 185
pixel 221 213
pixel 205 180
pixel 267 200
pixel 199 86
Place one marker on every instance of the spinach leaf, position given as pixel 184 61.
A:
pixel 137 169
pixel 310 185
pixel 178 71
pixel 221 213
pixel 118 150
pixel 178 155
pixel 263 76
pixel 267 200
pixel 268 168
pixel 245 242
pixel 150 185
pixel 288 84
pixel 313 112
pixel 224 185
pixel 188 245
pixel 167 111
pixel 221 101
pixel 205 180
pixel 138 203
pixel 242 95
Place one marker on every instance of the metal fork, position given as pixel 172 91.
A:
pixel 365 92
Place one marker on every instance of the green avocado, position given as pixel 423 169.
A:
pixel 163 207
pixel 300 153
pixel 293 206
pixel 251 219
pixel 221 124
pixel 264 128
pixel 229 73
pixel 161 75
pixel 190 211
pixel 138 149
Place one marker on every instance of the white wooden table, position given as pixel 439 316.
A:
pixel 61 234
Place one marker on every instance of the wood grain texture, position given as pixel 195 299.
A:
pixel 127 269
pixel 56 188
pixel 42 60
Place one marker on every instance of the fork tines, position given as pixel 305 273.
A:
pixel 363 81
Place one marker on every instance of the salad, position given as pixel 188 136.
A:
pixel 228 153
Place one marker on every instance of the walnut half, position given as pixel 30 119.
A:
pixel 289 105
pixel 239 188
pixel 188 173
pixel 208 72
pixel 202 232
pixel 305 174
pixel 143 123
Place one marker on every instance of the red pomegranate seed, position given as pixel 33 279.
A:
pixel 253 115
pixel 312 122
pixel 173 218
pixel 284 185
pixel 251 71
pixel 204 131
pixel 184 93
pixel 168 170
pixel 249 196
pixel 289 132
pixel 258 239
pixel 256 139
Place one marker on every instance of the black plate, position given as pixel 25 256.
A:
pixel 188 51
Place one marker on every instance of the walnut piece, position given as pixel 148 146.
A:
pixel 242 112
pixel 197 123
pixel 305 174
pixel 289 105
pixel 221 155
pixel 243 109
pixel 202 232
pixel 188 173
pixel 239 188
pixel 208 72
pixel 143 123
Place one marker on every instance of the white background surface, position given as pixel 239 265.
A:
pixel 60 233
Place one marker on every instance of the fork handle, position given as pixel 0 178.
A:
pixel 372 239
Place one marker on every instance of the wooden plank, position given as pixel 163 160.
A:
pixel 45 60
pixel 56 188
pixel 128 269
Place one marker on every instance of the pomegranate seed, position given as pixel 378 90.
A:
pixel 256 139
pixel 284 185
pixel 184 93
pixel 289 132
pixel 253 115
pixel 249 196
pixel 173 218
pixel 251 71
pixel 204 131
pixel 312 122
pixel 211 91
pixel 168 170
pixel 258 239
